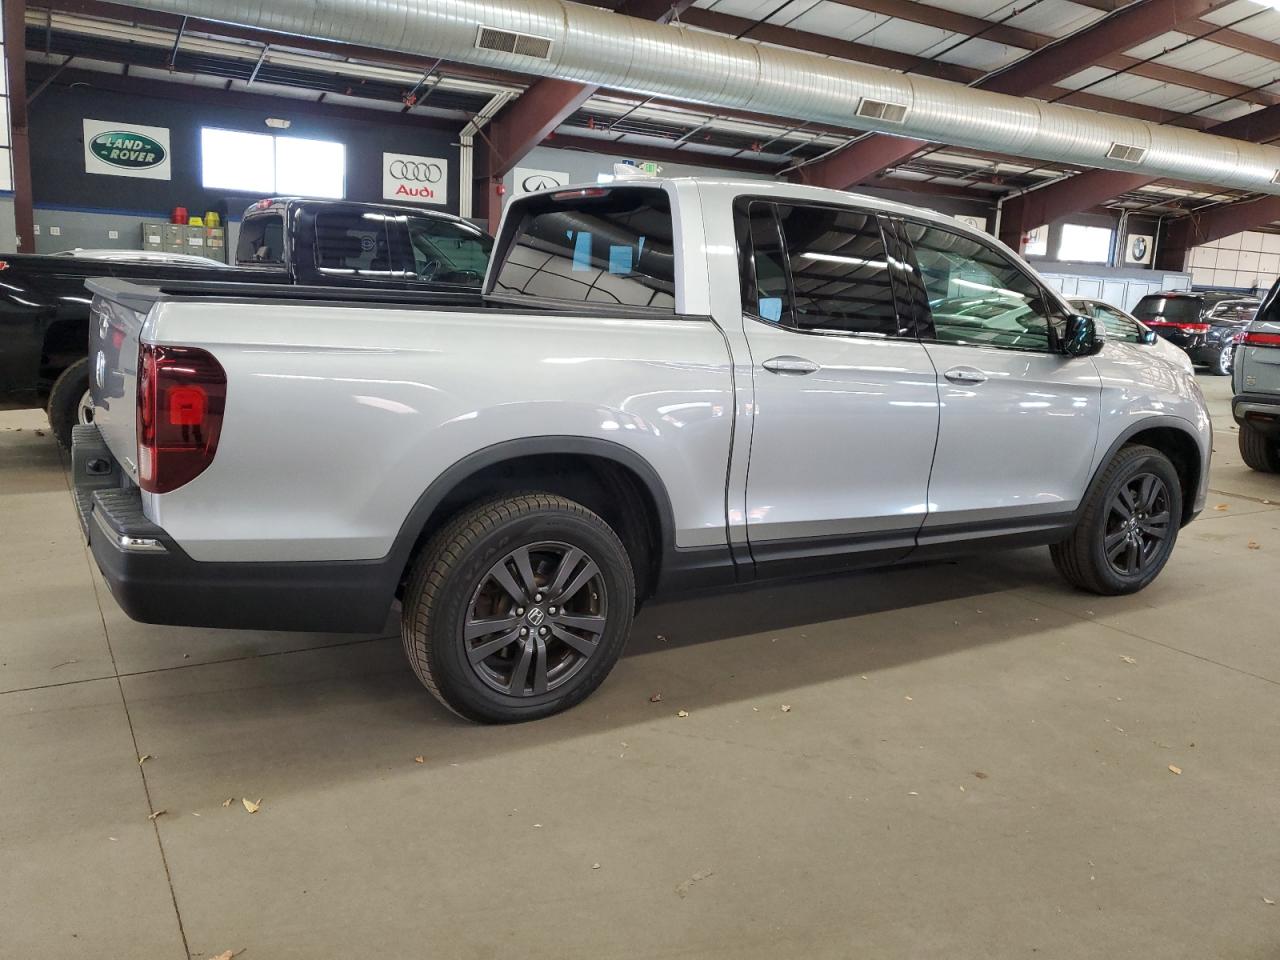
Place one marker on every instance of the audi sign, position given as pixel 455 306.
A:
pixel 415 179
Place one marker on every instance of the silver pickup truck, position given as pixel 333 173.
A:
pixel 670 384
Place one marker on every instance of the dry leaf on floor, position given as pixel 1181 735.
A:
pixel 786 708
pixel 251 805
pixel 1268 901
pixel 682 713
pixel 143 759
pixel 908 699
pixel 683 888
pixel 1127 659
pixel 1173 769
pixel 1254 545
pixel 229 954
pixel 229 801
pixel 419 759
pixel 656 698
pixel 158 813
pixel 980 775
pixel 1223 506
pixel 595 866
pixel 913 794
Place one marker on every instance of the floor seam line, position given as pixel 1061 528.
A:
pixel 146 787
pixel 1158 643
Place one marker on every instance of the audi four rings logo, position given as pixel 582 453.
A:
pixel 538 181
pixel 416 172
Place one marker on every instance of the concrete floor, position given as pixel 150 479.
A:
pixel 971 766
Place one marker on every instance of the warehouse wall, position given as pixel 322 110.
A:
pixel 1247 261
pixel 85 207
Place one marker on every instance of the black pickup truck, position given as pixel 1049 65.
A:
pixel 44 307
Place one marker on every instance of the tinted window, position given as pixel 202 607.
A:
pixel 1172 309
pixel 977 295
pixel 839 271
pixel 448 252
pixel 261 239
pixel 351 242
pixel 1116 325
pixel 615 248
pixel 768 298
pixel 1237 311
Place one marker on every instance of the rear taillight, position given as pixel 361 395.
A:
pixel 1184 327
pixel 182 392
pixel 1262 339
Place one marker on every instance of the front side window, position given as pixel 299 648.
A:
pixel 447 252
pixel 977 295
pixel 611 246
pixel 1117 326
pixel 839 271
pixel 352 243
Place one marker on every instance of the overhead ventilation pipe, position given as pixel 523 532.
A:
pixel 570 41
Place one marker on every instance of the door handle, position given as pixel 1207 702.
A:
pixel 792 366
pixel 965 375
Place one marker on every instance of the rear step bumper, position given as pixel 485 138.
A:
pixel 155 581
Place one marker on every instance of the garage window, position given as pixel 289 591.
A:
pixel 1085 244
pixel 263 164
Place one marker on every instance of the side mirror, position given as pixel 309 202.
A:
pixel 1147 336
pixel 1081 338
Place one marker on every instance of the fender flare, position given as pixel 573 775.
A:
pixel 1148 423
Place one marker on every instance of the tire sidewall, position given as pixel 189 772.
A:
pixel 1222 362
pixel 465 691
pixel 1159 465
pixel 64 400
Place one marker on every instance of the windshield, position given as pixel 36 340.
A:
pixel 1172 309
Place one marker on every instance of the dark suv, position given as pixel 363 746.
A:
pixel 1206 324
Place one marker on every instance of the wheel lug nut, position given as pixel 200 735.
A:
pixel 519 611
pixel 551 610
pixel 538 598
pixel 542 631
pixel 524 631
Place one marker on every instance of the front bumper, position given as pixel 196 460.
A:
pixel 1261 411
pixel 155 581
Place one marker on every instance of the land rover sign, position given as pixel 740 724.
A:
pixel 126 150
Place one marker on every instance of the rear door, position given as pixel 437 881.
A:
pixel 444 254
pixel 1018 420
pixel 845 414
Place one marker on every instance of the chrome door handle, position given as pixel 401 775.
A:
pixel 794 366
pixel 965 375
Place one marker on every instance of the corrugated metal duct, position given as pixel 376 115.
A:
pixel 592 45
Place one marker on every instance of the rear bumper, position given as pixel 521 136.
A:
pixel 1260 410
pixel 155 581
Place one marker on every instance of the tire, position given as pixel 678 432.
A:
pixel 456 589
pixel 69 392
pixel 1260 451
pixel 1082 558
pixel 1220 365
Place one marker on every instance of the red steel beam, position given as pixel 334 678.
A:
pixel 1031 76
pixel 1087 190
pixel 15 12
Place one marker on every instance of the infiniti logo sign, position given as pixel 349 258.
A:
pixel 538 181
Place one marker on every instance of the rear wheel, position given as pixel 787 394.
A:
pixel 1128 525
pixel 69 401
pixel 518 608
pixel 1221 364
pixel 1260 451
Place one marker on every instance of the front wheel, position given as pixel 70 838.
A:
pixel 1260 451
pixel 1127 527
pixel 518 608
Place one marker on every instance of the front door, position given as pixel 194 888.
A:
pixel 845 411
pixel 1018 420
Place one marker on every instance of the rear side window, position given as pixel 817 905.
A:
pixel 839 271
pixel 261 239
pixel 354 243
pixel 612 248
pixel 447 252
pixel 1172 309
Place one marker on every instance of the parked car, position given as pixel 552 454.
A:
pixel 44 327
pixel 670 384
pixel 1206 324
pixel 1123 326
pixel 1256 385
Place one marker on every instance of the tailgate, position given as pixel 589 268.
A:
pixel 115 328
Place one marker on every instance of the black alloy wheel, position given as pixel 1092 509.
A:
pixel 1138 525
pixel 536 619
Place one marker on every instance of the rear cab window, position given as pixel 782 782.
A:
pixel 609 246
pixel 261 240
pixel 353 243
